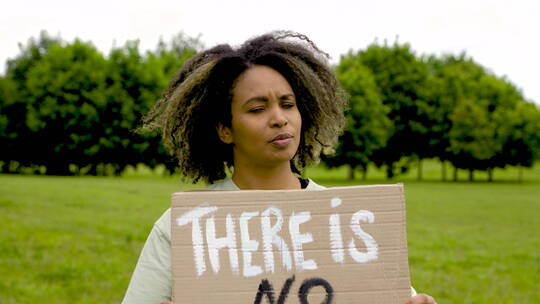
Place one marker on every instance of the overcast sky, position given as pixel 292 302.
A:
pixel 501 35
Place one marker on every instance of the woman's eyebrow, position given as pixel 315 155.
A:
pixel 287 95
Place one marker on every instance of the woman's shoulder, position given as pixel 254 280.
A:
pixel 164 219
pixel 226 184
pixel 163 224
pixel 314 186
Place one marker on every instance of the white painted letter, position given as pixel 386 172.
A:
pixel 193 217
pixel 298 239
pixel 214 244
pixel 336 240
pixel 270 237
pixel 371 245
pixel 248 245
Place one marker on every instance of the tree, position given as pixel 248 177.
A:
pixel 472 138
pixel 65 104
pixel 17 138
pixel 453 80
pixel 402 80
pixel 165 61
pixel 8 136
pixel 30 54
pixel 168 58
pixel 520 129
pixel 172 55
pixel 136 86
pixel 501 99
pixel 65 98
pixel 368 126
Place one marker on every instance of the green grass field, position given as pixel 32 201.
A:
pixel 77 239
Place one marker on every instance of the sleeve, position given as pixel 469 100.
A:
pixel 151 279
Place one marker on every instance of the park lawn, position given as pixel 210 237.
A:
pixel 77 239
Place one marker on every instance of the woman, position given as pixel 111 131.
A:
pixel 263 111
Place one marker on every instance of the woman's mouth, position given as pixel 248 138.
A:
pixel 282 140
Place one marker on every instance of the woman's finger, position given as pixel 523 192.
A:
pixel 421 299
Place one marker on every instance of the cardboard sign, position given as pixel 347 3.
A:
pixel 337 245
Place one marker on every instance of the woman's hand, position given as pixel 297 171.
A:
pixel 421 298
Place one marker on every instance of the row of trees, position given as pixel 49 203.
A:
pixel 405 109
pixel 67 109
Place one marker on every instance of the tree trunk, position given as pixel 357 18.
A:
pixel 490 175
pixel 455 174
pixel 471 175
pixel 389 172
pixel 364 172
pixel 351 173
pixel 100 170
pixel 57 168
pixel 92 170
pixel 419 169
pixel 443 167
pixel 117 171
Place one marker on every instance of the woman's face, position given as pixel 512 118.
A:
pixel 266 124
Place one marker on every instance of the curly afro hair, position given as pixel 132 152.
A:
pixel 199 98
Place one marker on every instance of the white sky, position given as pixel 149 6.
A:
pixel 501 35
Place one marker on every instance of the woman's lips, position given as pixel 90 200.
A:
pixel 282 140
pixel 281 143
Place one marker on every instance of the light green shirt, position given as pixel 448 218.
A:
pixel 151 282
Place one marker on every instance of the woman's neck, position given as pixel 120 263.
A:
pixel 268 178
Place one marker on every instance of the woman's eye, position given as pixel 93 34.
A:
pixel 288 105
pixel 256 110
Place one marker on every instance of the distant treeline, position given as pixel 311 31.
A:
pixel 67 109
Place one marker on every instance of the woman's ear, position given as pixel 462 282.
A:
pixel 224 133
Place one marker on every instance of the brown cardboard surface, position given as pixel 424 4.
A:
pixel 336 245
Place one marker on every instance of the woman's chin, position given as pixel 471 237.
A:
pixel 280 158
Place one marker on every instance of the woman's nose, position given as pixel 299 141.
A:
pixel 278 118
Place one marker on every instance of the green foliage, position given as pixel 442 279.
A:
pixel 402 80
pixel 368 126
pixel 472 137
pixel 137 84
pixel 452 80
pixel 30 55
pixel 490 141
pixel 172 55
pixel 66 109
pixel 14 101
pixel 65 98
pixel 520 129
pixel 8 96
pixel 506 107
